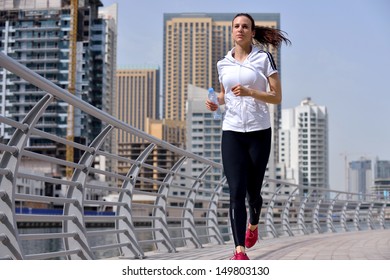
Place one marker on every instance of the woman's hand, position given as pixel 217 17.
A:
pixel 221 100
pixel 211 106
pixel 274 96
pixel 239 90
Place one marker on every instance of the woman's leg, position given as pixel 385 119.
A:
pixel 259 151
pixel 235 161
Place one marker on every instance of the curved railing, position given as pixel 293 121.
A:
pixel 152 205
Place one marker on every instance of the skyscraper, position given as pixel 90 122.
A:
pixel 137 99
pixel 104 38
pixel 103 48
pixel 36 33
pixel 304 144
pixel 360 176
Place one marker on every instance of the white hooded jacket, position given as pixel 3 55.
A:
pixel 245 113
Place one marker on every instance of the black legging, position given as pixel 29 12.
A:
pixel 245 158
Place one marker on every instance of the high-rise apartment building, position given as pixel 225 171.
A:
pixel 36 33
pixel 103 51
pixel 137 99
pixel 304 144
pixel 193 44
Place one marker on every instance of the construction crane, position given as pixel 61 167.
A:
pixel 72 82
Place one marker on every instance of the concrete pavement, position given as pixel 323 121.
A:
pixel 357 245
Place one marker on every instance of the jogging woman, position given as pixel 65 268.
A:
pixel 249 80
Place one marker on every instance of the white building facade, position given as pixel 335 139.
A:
pixel 203 132
pixel 304 145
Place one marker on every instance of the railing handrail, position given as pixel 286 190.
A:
pixel 60 93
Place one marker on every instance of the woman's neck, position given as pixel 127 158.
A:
pixel 242 52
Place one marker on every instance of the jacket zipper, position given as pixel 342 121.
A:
pixel 243 105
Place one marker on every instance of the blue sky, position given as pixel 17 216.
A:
pixel 340 57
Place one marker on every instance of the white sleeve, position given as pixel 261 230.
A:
pixel 270 65
pixel 219 70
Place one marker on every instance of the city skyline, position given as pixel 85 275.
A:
pixel 338 58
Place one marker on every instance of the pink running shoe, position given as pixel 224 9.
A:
pixel 251 237
pixel 240 256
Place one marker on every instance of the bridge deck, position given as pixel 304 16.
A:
pixel 362 245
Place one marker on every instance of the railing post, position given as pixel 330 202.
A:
pixel 382 216
pixel 329 218
pixel 356 219
pixel 76 209
pixel 286 213
pixel 161 211
pixel 343 217
pixel 10 245
pixel 127 224
pixel 188 214
pixel 212 221
pixel 316 219
pixel 269 216
pixel 301 216
pixel 370 224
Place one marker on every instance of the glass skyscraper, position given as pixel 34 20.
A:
pixel 36 33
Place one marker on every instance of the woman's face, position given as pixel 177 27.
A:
pixel 242 30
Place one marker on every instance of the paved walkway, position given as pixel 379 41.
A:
pixel 362 245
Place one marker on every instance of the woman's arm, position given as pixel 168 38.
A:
pixel 274 96
pixel 221 96
pixel 221 100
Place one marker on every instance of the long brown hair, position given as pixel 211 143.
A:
pixel 266 35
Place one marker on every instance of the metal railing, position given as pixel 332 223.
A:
pixel 140 204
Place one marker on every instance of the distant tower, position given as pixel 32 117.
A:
pixel 137 102
pixel 360 176
pixel 304 144
pixel 137 99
